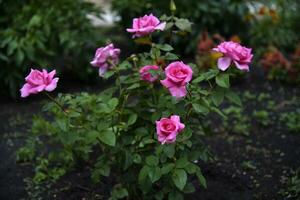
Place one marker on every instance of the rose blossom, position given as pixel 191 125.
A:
pixel 145 25
pixel 178 75
pixel 146 75
pixel 38 81
pixel 232 51
pixel 167 129
pixel 103 55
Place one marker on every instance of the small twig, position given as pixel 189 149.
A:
pixel 285 103
pixel 83 188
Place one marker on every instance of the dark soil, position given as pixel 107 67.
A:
pixel 256 166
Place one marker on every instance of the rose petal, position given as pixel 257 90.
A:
pixel 52 85
pixel 224 63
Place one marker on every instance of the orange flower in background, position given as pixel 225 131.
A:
pixel 275 58
pixel 274 15
pixel 263 10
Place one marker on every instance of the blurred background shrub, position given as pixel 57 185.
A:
pixel 223 16
pixel 36 33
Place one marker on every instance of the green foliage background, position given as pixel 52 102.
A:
pixel 36 33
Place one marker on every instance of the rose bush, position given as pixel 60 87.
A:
pixel 146 139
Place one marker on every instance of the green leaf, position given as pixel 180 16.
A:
pixel 200 108
pixel 132 119
pixel 152 161
pixel 183 24
pixel 175 195
pixel 199 79
pixel 154 174
pixel 171 56
pixel 210 74
pixel 134 86
pixel 191 168
pixel 233 97
pixel 169 150
pixel 143 173
pixel 189 188
pixel 112 103
pixel 167 168
pixel 218 111
pixel 201 179
pixel 164 47
pixel 217 97
pixel 223 80
pixel 179 178
pixel 136 158
pixel 181 162
pixel 108 74
pixel 108 137
pixel 104 170
pixel 119 192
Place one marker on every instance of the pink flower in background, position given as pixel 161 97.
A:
pixel 103 55
pixel 233 52
pixel 37 81
pixel 168 128
pixel 145 25
pixel 146 75
pixel 178 75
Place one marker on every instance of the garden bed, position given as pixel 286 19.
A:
pixel 253 165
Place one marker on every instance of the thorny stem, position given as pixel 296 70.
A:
pixel 56 102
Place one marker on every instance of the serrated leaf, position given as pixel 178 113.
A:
pixel 154 174
pixel 152 160
pixel 201 179
pixel 167 168
pixel 179 178
pixel 183 24
pixel 223 80
pixel 143 173
pixel 108 137
pixel 217 97
pixel 175 195
pixel 132 119
pixel 233 97
pixel 199 79
pixel 171 56
pixel 165 47
pixel 200 108
pixel 133 86
pixel 112 103
pixel 181 162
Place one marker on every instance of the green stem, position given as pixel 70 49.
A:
pixel 190 106
pixel 56 102
pixel 118 76
pixel 153 95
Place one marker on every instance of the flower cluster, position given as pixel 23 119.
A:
pixel 177 74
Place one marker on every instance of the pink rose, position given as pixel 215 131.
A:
pixel 103 55
pixel 168 129
pixel 178 75
pixel 145 25
pixel 232 51
pixel 146 75
pixel 38 81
